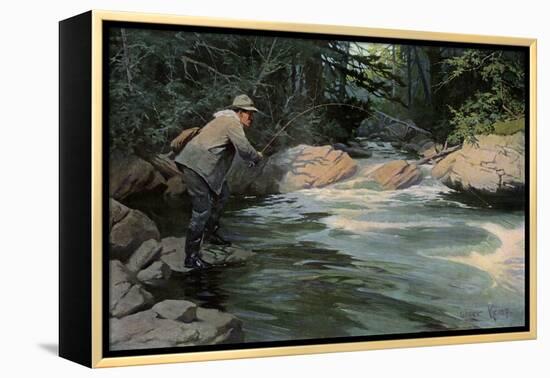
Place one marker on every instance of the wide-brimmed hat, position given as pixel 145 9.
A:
pixel 243 102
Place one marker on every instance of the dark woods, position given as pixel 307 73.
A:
pixel 163 81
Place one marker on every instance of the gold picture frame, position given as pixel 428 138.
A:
pixel 82 231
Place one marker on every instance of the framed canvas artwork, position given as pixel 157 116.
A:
pixel 234 189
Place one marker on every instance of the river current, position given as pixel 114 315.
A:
pixel 351 260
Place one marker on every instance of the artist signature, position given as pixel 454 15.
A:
pixel 495 313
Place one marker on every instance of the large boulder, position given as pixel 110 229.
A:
pixel 493 166
pixel 174 323
pixel 129 174
pixel 300 167
pixel 128 229
pixel 397 174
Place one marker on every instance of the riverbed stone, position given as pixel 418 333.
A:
pixel 397 174
pixel 173 254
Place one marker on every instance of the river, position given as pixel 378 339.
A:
pixel 350 260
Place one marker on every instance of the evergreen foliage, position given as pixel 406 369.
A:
pixel 163 81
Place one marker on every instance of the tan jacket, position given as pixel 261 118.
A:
pixel 211 152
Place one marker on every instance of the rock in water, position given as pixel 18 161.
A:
pixel 128 230
pixel 304 167
pixel 300 167
pixel 173 254
pixel 397 174
pixel 494 167
pixel 310 167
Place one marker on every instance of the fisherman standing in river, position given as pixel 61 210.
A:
pixel 205 161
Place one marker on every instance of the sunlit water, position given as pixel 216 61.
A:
pixel 350 260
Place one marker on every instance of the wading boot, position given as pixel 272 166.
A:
pixel 214 237
pixel 193 258
pixel 195 262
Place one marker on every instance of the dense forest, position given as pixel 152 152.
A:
pixel 319 91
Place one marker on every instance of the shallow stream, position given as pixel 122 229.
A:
pixel 350 260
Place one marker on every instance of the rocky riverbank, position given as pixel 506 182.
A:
pixel 140 260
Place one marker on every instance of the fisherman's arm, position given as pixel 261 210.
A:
pixel 236 135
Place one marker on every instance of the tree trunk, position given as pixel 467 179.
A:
pixel 393 70
pixel 427 91
pixel 313 71
pixel 126 57
pixel 409 77
pixel 343 78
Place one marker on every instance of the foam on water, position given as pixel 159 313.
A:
pixel 506 265
pixel 366 226
pixel 389 220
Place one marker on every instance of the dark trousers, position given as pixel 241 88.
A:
pixel 207 208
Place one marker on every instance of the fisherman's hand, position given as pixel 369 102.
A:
pixel 253 163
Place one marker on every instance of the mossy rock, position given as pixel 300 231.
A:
pixel 509 127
